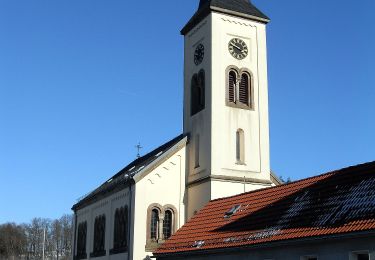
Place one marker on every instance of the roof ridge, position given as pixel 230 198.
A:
pixel 339 171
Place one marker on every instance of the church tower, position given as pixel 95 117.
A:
pixel 225 101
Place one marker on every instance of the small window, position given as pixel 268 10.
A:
pixel 232 211
pixel 360 255
pixel 240 146
pixel 154 224
pixel 196 152
pixel 167 224
pixel 363 257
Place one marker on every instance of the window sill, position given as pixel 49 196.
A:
pixel 241 163
pixel 115 251
pixel 98 254
pixel 152 245
pixel 239 106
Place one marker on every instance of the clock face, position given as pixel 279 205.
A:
pixel 238 48
pixel 199 54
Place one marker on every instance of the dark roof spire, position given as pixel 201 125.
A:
pixel 240 8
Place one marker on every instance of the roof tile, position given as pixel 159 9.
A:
pixel 337 202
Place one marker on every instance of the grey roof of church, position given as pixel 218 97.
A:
pixel 240 8
pixel 125 177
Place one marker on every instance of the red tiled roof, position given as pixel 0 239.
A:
pixel 338 202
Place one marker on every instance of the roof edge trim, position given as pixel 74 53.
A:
pixel 348 235
pixel 149 168
pixel 238 14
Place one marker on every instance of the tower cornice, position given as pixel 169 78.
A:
pixel 239 8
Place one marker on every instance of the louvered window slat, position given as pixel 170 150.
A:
pixel 244 89
pixel 232 86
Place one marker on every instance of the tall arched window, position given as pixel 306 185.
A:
pixel 99 237
pixel 232 79
pixel 198 92
pixel 120 231
pixel 167 224
pixel 240 146
pixel 244 89
pixel 81 241
pixel 196 152
pixel 154 224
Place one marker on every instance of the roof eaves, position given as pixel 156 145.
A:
pixel 268 244
pixel 242 15
pixel 108 188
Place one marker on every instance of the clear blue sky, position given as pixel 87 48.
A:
pixel 81 82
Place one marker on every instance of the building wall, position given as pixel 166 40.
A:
pixel 341 249
pixel 218 123
pixel 164 185
pixel 107 207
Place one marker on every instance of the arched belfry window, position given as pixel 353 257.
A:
pixel 120 230
pixel 167 224
pixel 239 88
pixel 232 80
pixel 198 92
pixel 240 146
pixel 244 89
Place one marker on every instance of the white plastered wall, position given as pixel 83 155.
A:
pixel 227 120
pixel 164 185
pixel 217 124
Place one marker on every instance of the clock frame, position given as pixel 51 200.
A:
pixel 238 48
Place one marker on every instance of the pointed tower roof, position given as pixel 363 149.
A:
pixel 239 8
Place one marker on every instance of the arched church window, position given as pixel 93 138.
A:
pixel 161 224
pixel 81 241
pixel 120 231
pixel 198 92
pixel 232 79
pixel 167 224
pixel 244 89
pixel 99 237
pixel 154 224
pixel 240 146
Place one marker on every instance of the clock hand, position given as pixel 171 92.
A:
pixel 235 46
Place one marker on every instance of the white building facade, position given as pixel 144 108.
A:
pixel 223 151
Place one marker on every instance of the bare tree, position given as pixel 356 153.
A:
pixel 26 241
pixel 12 241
